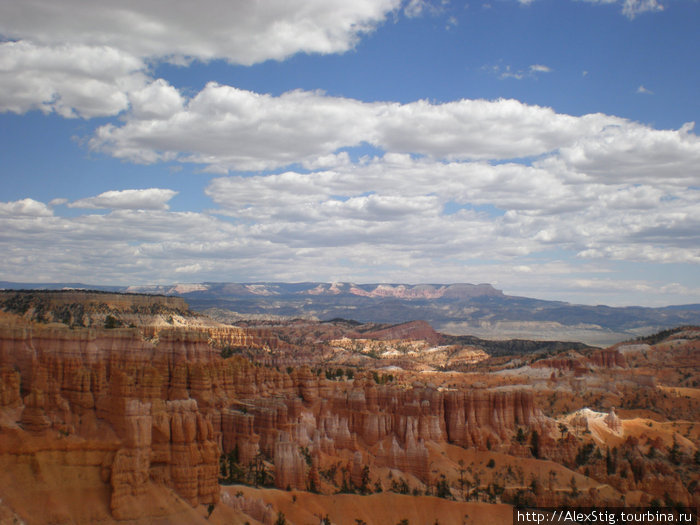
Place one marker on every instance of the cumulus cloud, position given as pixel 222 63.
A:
pixel 155 100
pixel 150 199
pixel 478 129
pixel 595 185
pixel 25 208
pixel 228 128
pixel 633 152
pixel 91 59
pixel 239 31
pixel 225 128
pixel 397 204
pixel 644 91
pixel 72 80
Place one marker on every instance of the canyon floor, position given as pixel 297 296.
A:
pixel 127 408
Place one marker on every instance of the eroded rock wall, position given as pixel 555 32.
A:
pixel 174 406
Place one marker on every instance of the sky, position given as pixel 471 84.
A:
pixel 546 147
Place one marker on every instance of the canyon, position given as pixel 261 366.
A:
pixel 133 409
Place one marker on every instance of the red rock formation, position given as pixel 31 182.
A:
pixel 290 467
pixel 578 365
pixel 9 387
pixel 175 405
pixel 473 417
pixel 413 330
pixel 612 421
pixel 34 414
pixel 608 358
pixel 66 372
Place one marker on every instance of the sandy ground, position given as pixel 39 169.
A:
pixel 302 508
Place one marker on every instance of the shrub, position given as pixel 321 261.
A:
pixel 112 322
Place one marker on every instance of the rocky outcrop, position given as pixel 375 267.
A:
pixel 34 418
pixel 290 467
pixel 80 308
pixel 54 299
pixel 578 365
pixel 232 337
pixel 481 417
pixel 608 358
pixel 612 421
pixel 9 387
pixel 174 405
pixel 156 408
pixel 78 377
pixel 413 330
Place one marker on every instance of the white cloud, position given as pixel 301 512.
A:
pixel 150 199
pixel 156 100
pixel 644 91
pixel 225 128
pixel 228 128
pixel 91 59
pixel 415 8
pixel 192 269
pixel 395 236
pixel 631 8
pixel 477 129
pixel 25 208
pixel 399 201
pixel 239 31
pixel 448 188
pixel 504 72
pixel 72 80
pixel 598 186
pixel 634 152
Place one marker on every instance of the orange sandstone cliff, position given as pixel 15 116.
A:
pixel 162 412
pixel 151 422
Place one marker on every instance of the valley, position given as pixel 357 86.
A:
pixel 133 408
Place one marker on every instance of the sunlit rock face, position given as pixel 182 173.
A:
pixel 171 406
pixel 117 415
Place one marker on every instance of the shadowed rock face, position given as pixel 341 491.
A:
pixel 171 408
pixel 70 378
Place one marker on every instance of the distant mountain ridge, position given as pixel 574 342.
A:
pixel 377 290
pixel 458 309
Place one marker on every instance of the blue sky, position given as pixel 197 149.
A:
pixel 544 146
